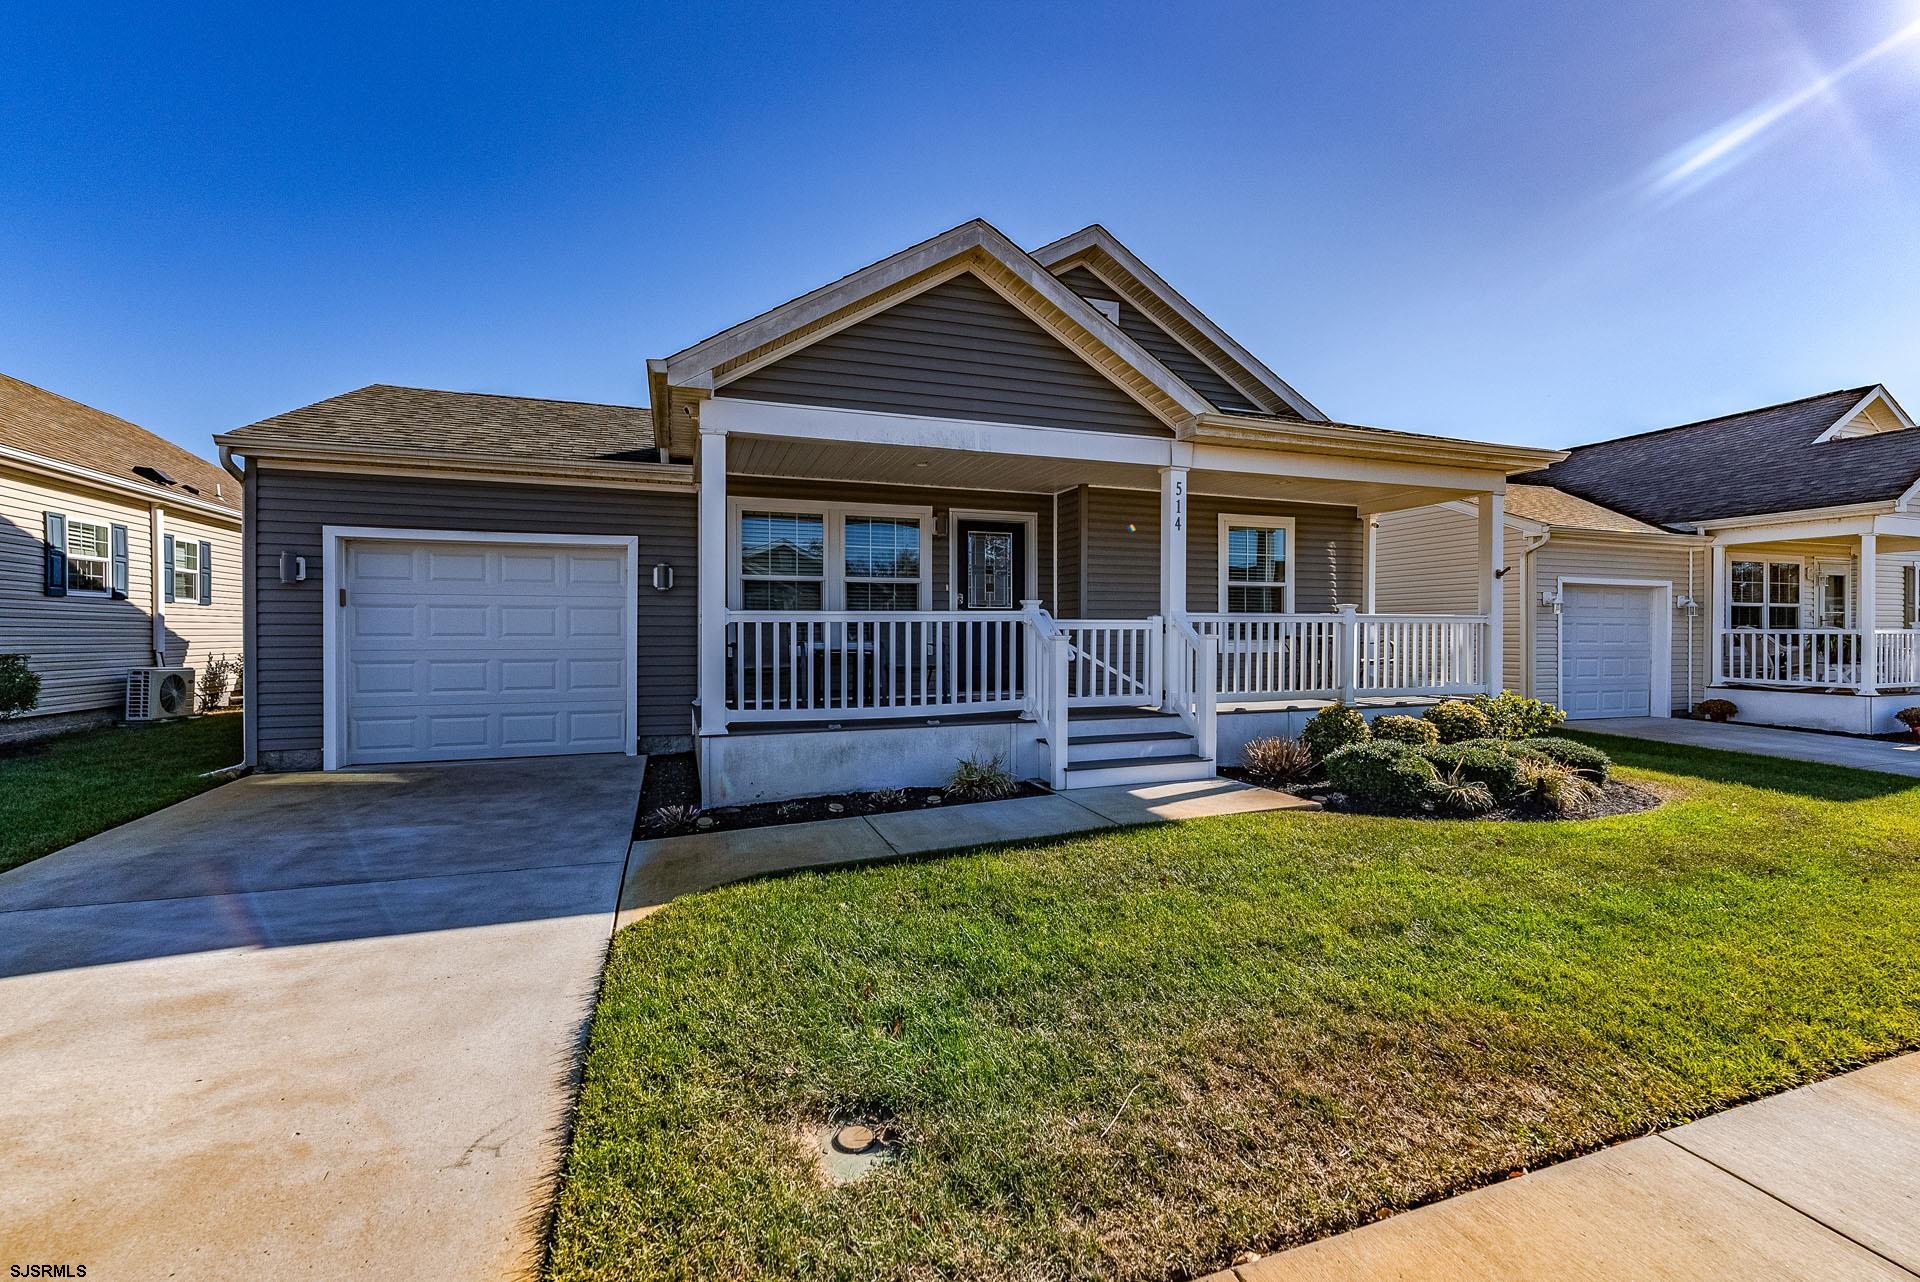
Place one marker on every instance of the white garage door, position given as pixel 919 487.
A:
pixel 453 651
pixel 1606 661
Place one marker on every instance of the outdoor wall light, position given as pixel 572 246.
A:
pixel 1552 597
pixel 293 569
pixel 662 577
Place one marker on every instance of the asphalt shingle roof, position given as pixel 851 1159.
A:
pixel 418 420
pixel 1746 464
pixel 50 425
pixel 1550 506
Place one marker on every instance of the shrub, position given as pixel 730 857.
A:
pixel 887 799
pixel 1276 760
pixel 1716 710
pixel 1910 718
pixel 1387 776
pixel 19 686
pixel 216 675
pixel 1332 729
pixel 674 818
pixel 975 779
pixel 1559 790
pixel 1457 720
pixel 1501 771
pixel 1589 762
pixel 1408 730
pixel 1457 795
pixel 1511 715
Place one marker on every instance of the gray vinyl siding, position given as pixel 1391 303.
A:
pixel 1122 552
pixel 1568 555
pixel 1427 561
pixel 292 506
pixel 1170 351
pixel 1071 545
pixel 942 501
pixel 957 350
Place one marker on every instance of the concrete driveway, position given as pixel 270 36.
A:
pixel 307 1025
pixel 1884 755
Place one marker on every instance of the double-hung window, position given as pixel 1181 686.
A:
pixel 1255 571
pixel 186 570
pixel 829 557
pixel 783 560
pixel 1764 594
pixel 89 556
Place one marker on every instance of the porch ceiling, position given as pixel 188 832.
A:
pixel 1014 473
pixel 1848 545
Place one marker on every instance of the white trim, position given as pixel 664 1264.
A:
pixel 1661 667
pixel 1879 393
pixel 1229 519
pixel 1842 565
pixel 1097 236
pixel 1808 609
pixel 833 584
pixel 146 493
pixel 738 415
pixel 1031 520
pixel 333 541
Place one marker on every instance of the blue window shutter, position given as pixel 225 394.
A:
pixel 120 562
pixel 56 554
pixel 206 572
pixel 166 563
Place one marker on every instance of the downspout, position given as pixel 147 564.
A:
pixel 1528 605
pixel 1690 617
pixel 249 621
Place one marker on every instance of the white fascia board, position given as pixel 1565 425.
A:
pixel 133 489
pixel 1904 525
pixel 1880 394
pixel 1799 516
pixel 1099 237
pixel 700 360
pixel 1340 467
pixel 738 416
pixel 1793 532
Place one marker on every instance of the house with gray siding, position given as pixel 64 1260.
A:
pixel 118 550
pixel 970 500
pixel 1770 558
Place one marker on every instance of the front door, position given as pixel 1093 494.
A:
pixel 1836 595
pixel 992 564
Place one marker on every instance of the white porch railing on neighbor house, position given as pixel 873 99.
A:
pixel 1805 657
pixel 1898 656
pixel 1348 655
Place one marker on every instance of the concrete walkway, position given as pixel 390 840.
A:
pixel 664 868
pixel 1818 1183
pixel 307 1026
pixel 1883 755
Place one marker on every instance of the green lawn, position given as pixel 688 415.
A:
pixel 1134 1055
pixel 55 792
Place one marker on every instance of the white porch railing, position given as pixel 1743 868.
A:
pixel 1898 656
pixel 1113 662
pixel 822 666
pixel 1348 655
pixel 1803 657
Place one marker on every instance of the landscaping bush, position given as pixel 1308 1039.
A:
pixel 1385 776
pixel 1457 720
pixel 1560 790
pixel 980 780
pixel 1716 710
pixel 1276 760
pixel 1502 772
pixel 1590 762
pixel 1511 715
pixel 19 686
pixel 1408 730
pixel 216 675
pixel 1332 729
pixel 1910 718
pixel 1457 795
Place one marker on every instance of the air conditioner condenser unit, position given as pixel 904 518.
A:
pixel 155 694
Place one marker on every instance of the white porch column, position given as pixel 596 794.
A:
pixel 1173 541
pixel 1867 598
pixel 1718 590
pixel 1493 557
pixel 713 582
pixel 1369 554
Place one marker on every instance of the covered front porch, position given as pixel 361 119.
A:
pixel 1814 621
pixel 1086 609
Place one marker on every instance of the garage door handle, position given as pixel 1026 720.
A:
pixel 343 598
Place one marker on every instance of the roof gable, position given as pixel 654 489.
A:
pixel 1772 459
pixel 956 349
pixel 1176 356
pixel 50 426
pixel 1877 412
pixel 1101 251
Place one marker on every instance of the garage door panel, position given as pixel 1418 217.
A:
pixel 465 651
pixel 1606 662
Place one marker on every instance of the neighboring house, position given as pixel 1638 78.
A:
pixel 118 550
pixel 1767 557
pixel 967 500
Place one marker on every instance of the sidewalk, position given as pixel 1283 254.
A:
pixel 663 868
pixel 1817 1183
pixel 1884 755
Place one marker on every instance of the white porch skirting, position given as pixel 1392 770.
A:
pixel 1809 710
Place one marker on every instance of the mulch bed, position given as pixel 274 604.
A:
pixel 672 780
pixel 1616 798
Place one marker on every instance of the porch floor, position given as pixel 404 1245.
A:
pixel 1881 755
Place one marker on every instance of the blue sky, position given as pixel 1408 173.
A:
pixel 1516 221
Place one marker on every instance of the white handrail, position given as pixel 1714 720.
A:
pixel 1193 681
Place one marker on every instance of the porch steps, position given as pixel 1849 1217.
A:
pixel 1128 746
